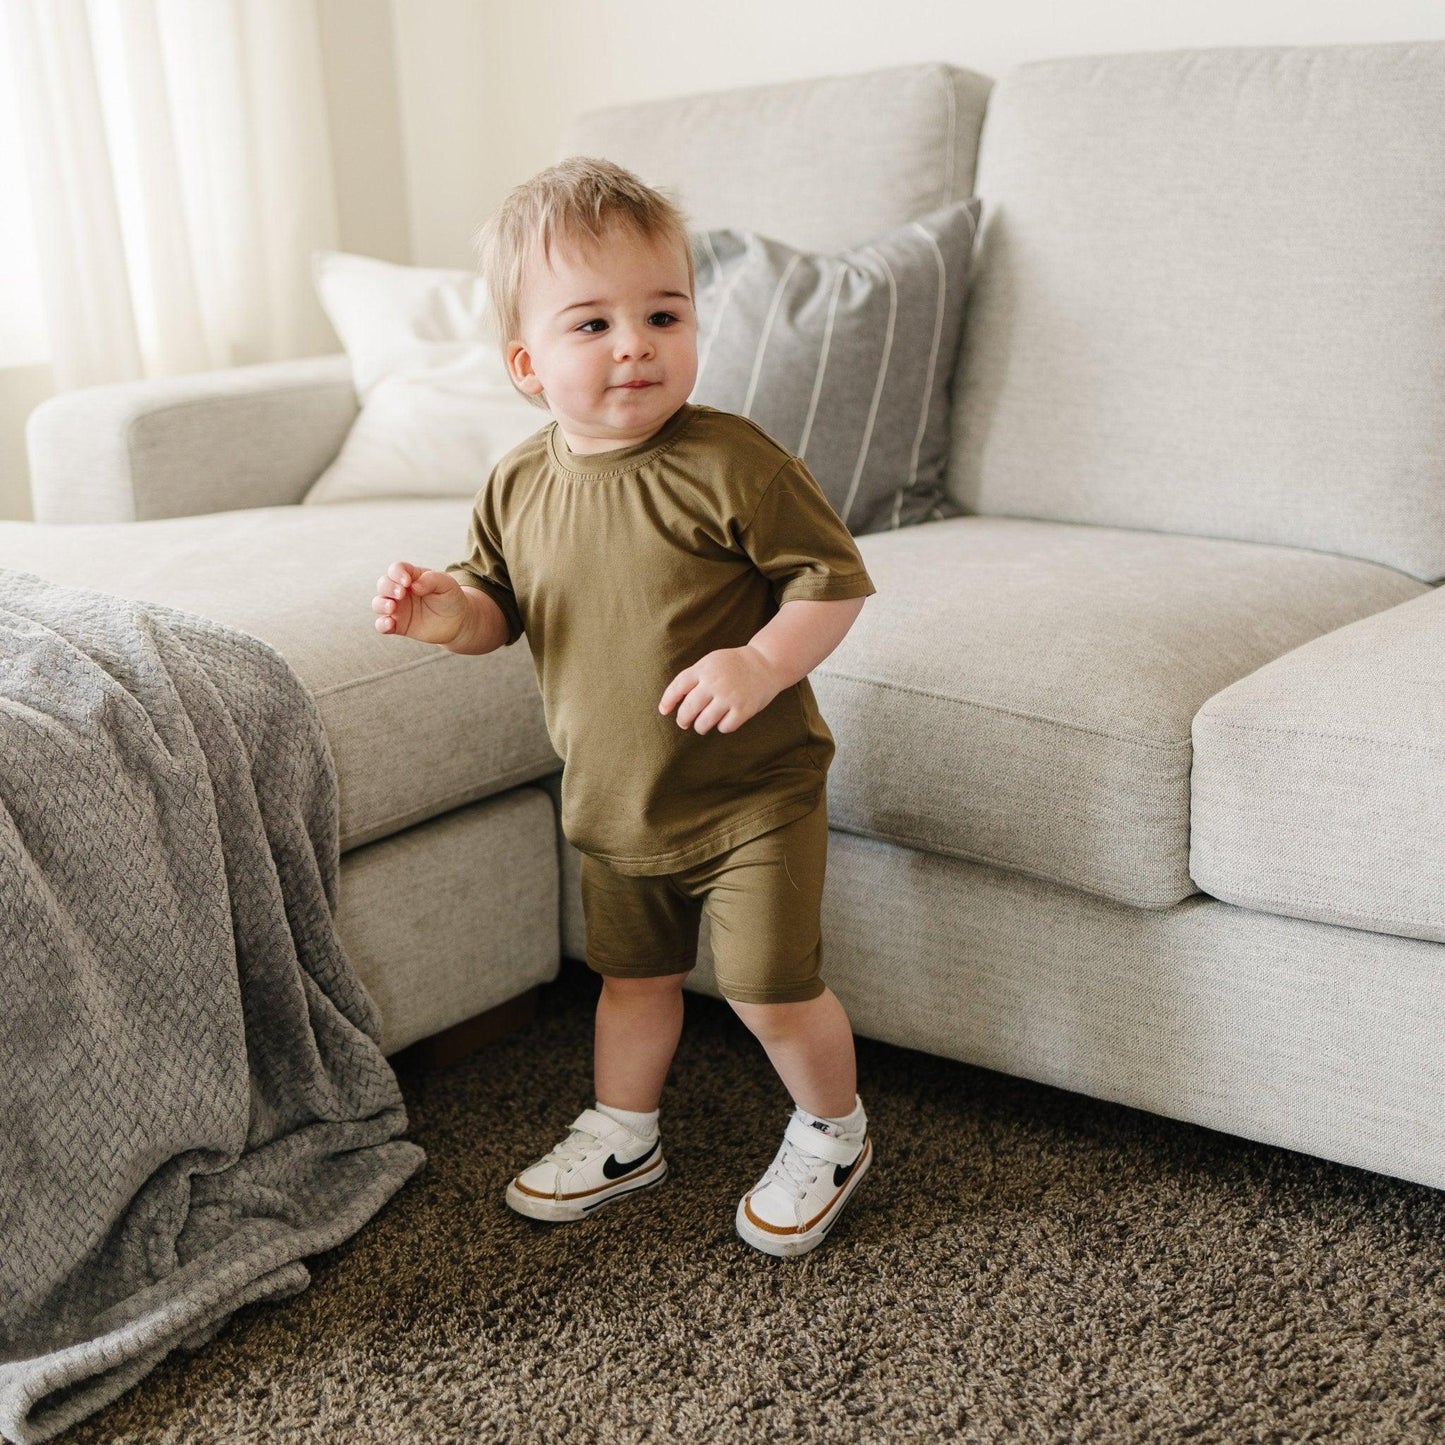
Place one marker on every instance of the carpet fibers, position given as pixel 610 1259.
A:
pixel 1021 1264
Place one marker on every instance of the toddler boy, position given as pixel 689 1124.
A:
pixel 677 574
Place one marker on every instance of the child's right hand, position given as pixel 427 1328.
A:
pixel 420 603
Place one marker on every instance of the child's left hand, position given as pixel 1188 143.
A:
pixel 724 688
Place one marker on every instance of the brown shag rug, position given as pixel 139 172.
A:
pixel 1022 1264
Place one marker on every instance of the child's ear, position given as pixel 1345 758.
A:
pixel 519 364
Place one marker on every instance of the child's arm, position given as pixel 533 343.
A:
pixel 803 634
pixel 432 606
pixel 727 687
pixel 486 627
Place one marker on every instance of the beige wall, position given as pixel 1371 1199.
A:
pixel 22 389
pixel 358 54
pixel 445 52
pixel 514 74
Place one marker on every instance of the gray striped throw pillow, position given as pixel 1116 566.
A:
pixel 845 360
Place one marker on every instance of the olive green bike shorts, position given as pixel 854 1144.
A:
pixel 763 900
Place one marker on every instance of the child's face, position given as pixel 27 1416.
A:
pixel 637 326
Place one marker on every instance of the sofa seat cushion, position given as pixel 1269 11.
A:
pixel 415 730
pixel 1020 692
pixel 1319 781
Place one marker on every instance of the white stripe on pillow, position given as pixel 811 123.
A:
pixel 722 307
pixel 882 377
pixel 838 276
pixel 767 331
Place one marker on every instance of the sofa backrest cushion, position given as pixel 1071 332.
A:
pixel 1209 298
pixel 821 164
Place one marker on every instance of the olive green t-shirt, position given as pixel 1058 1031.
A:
pixel 623 568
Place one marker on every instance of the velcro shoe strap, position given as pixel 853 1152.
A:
pixel 815 1141
pixel 593 1122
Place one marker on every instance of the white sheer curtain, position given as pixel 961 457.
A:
pixel 180 176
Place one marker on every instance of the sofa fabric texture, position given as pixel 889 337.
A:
pixel 481 917
pixel 1299 1034
pixel 416 730
pixel 845 360
pixel 1319 780
pixel 1210 298
pixel 211 441
pixel 821 164
pixel 1021 692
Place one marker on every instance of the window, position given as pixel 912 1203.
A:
pixel 23 340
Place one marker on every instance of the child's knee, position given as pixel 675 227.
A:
pixel 642 989
pixel 768 1021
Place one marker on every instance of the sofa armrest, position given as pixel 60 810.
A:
pixel 214 441
pixel 1318 787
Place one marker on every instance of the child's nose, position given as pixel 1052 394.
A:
pixel 631 341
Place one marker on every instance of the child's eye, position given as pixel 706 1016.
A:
pixel 596 321
pixel 666 317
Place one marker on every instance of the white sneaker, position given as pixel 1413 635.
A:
pixel 598 1161
pixel 798 1199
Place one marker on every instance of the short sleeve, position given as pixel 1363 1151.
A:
pixel 485 568
pixel 799 543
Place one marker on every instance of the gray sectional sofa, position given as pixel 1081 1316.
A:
pixel 1140 774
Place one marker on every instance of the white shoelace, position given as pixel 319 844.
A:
pixel 795 1169
pixel 573 1149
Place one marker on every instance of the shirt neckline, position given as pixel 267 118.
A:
pixel 623 459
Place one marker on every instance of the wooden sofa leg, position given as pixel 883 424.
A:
pixel 441 1051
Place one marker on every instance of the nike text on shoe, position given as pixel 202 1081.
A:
pixel 598 1161
pixel 794 1205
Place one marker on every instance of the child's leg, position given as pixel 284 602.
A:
pixel 765 902
pixel 825 1149
pixel 634 924
pixel 606 1156
pixel 811 1046
pixel 639 1021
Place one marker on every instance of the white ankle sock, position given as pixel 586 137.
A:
pixel 643 1125
pixel 851 1126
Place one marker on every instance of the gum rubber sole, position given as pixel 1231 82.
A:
pixel 788 1246
pixel 559 1211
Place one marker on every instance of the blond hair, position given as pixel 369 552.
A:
pixel 575 202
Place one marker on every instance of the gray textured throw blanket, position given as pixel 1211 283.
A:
pixel 192 1095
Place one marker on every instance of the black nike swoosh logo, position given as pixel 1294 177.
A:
pixel 842 1171
pixel 615 1170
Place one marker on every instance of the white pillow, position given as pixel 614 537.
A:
pixel 437 408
